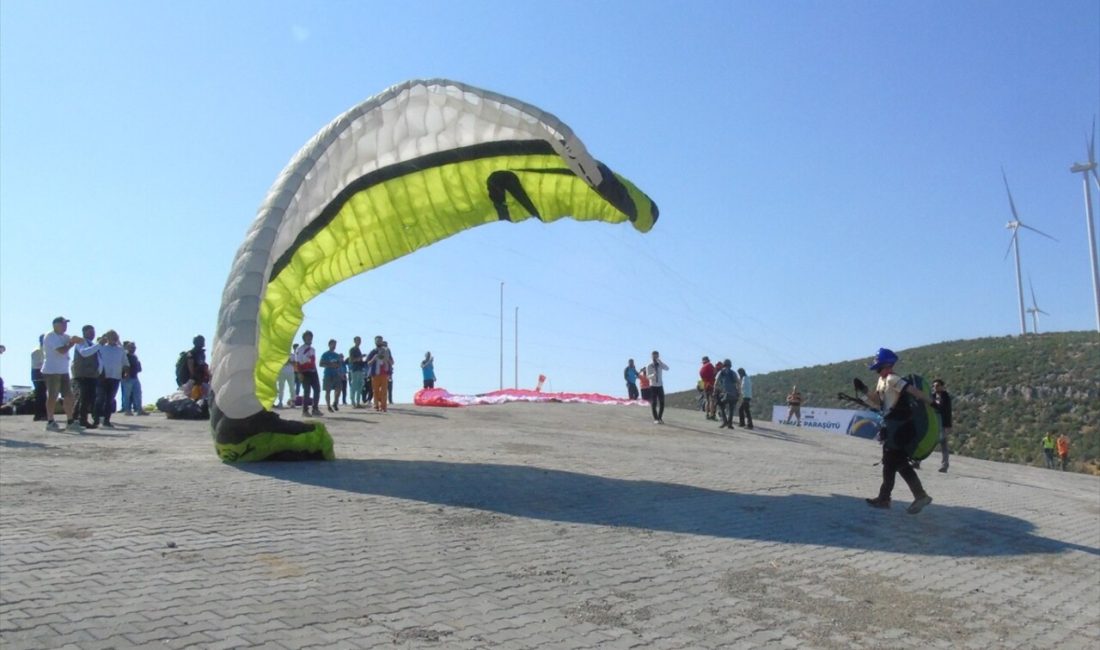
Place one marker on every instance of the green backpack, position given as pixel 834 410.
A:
pixel 925 421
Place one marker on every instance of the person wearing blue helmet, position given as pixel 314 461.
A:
pixel 899 429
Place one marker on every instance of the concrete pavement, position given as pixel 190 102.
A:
pixel 532 526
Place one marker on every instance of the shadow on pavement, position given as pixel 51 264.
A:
pixel 23 444
pixel 840 521
pixel 418 413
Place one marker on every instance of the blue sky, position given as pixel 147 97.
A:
pixel 828 173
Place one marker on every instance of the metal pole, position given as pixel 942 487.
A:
pixel 501 336
pixel 517 349
pixel 1019 282
pixel 1092 247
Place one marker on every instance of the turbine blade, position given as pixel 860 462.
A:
pixel 1034 303
pixel 1011 241
pixel 1041 311
pixel 1024 225
pixel 1092 144
pixel 1011 203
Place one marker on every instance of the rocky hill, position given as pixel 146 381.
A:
pixel 1007 392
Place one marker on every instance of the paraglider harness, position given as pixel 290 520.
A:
pixel 911 426
pixel 183 374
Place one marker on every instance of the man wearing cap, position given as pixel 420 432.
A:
pixel 707 373
pixel 55 372
pixel 898 423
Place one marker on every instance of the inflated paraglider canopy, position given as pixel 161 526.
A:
pixel 408 167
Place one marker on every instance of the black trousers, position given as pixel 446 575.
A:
pixel 894 462
pixel 631 390
pixel 106 389
pixel 745 412
pixel 85 398
pixel 657 401
pixel 726 407
pixel 310 381
pixel 39 399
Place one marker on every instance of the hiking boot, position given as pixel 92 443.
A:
pixel 52 426
pixel 943 469
pixel 75 427
pixel 317 412
pixel 90 425
pixel 919 504
pixel 107 423
pixel 878 502
pixel 305 412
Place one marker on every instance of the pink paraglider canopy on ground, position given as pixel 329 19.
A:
pixel 441 397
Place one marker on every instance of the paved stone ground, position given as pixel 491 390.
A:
pixel 531 526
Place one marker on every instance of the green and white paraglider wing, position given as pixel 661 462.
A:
pixel 406 168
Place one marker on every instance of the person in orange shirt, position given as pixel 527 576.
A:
pixel 643 384
pixel 1063 450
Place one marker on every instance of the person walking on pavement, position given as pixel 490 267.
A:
pixel 744 414
pixel 888 396
pixel 655 373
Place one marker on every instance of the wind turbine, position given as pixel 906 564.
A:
pixel 1084 169
pixel 1034 309
pixel 1014 244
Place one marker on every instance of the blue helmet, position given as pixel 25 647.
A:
pixel 885 357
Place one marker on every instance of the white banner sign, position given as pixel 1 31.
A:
pixel 846 421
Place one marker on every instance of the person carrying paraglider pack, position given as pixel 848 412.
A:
pixel 898 429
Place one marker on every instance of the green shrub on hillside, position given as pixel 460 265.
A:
pixel 1007 392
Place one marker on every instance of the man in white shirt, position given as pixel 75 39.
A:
pixel 55 372
pixel 654 372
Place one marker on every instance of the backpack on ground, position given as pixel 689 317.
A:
pixel 183 374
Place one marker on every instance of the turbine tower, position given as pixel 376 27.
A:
pixel 1034 309
pixel 1084 169
pixel 1014 245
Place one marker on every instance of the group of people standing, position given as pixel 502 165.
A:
pixel 367 378
pixel 88 386
pixel 726 391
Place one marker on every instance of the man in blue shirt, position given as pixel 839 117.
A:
pixel 330 361
pixel 630 374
